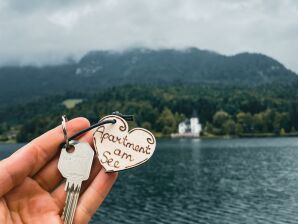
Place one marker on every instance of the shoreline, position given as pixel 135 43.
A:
pixel 160 136
pixel 256 135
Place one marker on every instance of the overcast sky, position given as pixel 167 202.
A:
pixel 48 31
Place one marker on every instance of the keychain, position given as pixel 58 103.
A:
pixel 117 148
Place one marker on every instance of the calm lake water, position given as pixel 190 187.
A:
pixel 229 181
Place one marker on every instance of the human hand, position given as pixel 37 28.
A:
pixel 30 183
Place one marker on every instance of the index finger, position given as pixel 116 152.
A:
pixel 33 156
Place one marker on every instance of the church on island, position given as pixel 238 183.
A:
pixel 189 128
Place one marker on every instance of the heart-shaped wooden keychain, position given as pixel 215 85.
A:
pixel 120 149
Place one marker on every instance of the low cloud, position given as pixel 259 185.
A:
pixel 47 32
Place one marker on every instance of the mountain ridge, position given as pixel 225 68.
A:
pixel 98 70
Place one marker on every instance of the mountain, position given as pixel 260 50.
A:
pixel 99 70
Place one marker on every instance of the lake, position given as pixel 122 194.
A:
pixel 226 181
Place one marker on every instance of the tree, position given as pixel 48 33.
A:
pixel 146 125
pixel 229 127
pixel 208 128
pixel 3 128
pixel 219 118
pixel 258 122
pixel 245 119
pixel 166 121
pixel 282 132
pixel 238 129
pixel 268 117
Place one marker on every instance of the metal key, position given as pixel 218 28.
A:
pixel 75 167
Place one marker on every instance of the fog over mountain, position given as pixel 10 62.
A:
pixel 99 70
pixel 52 31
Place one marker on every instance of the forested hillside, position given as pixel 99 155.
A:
pixel 266 109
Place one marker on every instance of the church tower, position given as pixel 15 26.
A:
pixel 195 125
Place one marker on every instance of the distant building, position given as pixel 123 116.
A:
pixel 189 127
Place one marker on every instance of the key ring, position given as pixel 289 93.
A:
pixel 76 135
pixel 63 124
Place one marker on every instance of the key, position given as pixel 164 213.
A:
pixel 75 167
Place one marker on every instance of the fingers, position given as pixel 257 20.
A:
pixel 94 196
pixel 59 193
pixel 49 176
pixel 46 146
pixel 30 158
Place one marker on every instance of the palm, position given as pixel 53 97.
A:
pixel 37 205
pixel 30 183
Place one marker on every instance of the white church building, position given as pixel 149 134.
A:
pixel 189 127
